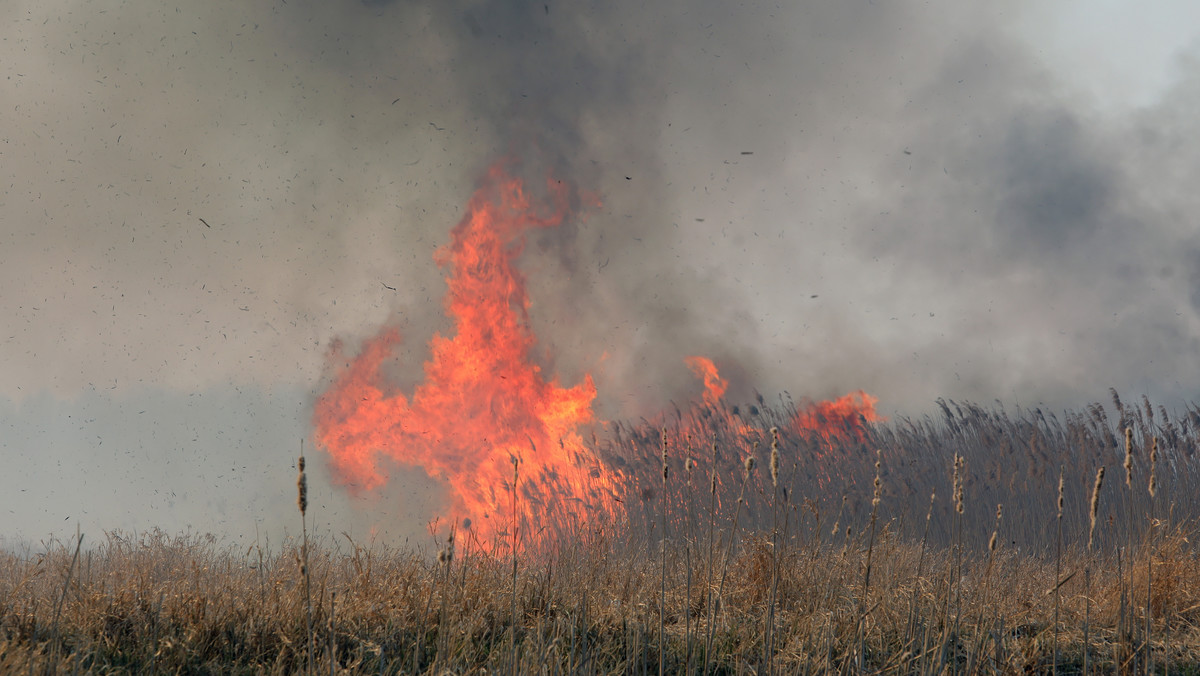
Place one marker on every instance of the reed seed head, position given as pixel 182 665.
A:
pixel 774 456
pixel 446 556
pixel 302 489
pixel 1094 505
pixel 1129 457
pixel 958 483
pixel 996 533
pixel 664 453
pixel 1153 487
pixel 1060 492
pixel 878 478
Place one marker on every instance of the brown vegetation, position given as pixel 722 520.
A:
pixel 798 575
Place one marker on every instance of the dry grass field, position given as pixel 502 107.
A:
pixel 784 569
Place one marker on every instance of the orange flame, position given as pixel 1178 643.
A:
pixel 483 401
pixel 714 384
pixel 844 417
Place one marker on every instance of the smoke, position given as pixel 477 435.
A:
pixel 892 196
pixel 888 195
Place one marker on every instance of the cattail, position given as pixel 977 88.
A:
pixel 1060 493
pixel 996 532
pixel 302 503
pixel 1153 466
pixel 958 483
pixel 1094 507
pixel 688 466
pixel 837 523
pixel 1129 456
pixel 302 489
pixel 664 453
pixel 878 480
pixel 749 464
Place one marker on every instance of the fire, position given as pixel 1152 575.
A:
pixel 483 403
pixel 485 415
pixel 714 384
pixel 845 417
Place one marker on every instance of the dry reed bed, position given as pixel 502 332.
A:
pixel 835 559
pixel 186 604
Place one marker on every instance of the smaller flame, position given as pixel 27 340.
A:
pixel 845 417
pixel 714 384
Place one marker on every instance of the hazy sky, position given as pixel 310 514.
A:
pixel 920 199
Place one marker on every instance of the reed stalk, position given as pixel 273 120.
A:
pixel 662 593
pixel 1093 510
pixel 1057 569
pixel 749 467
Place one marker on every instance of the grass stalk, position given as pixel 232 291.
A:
pixel 515 543
pixel 1057 570
pixel 1126 631
pixel 719 601
pixel 1152 489
pixel 63 596
pixel 1093 510
pixel 710 567
pixel 662 593
pixel 859 641
pixel 769 635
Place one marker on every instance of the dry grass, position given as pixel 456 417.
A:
pixel 882 591
pixel 186 604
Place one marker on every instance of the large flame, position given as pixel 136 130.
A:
pixel 485 416
pixel 483 404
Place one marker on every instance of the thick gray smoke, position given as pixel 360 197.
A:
pixel 896 196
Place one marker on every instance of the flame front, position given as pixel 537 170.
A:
pixel 483 402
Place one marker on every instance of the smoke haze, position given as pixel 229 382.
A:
pixel 903 197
